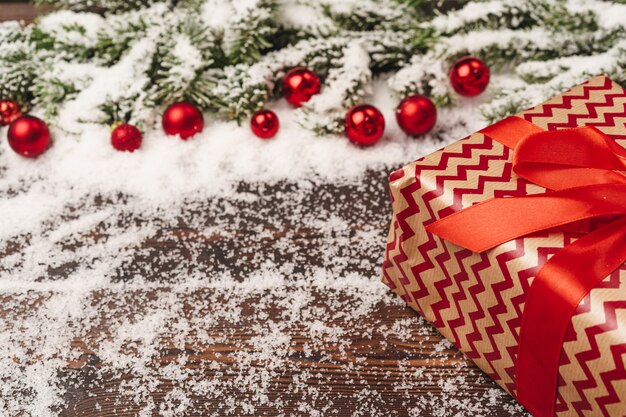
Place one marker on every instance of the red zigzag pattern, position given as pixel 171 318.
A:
pixel 477 300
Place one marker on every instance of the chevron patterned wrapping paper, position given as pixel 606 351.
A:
pixel 476 300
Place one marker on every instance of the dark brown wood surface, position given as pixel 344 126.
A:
pixel 382 362
pixel 10 10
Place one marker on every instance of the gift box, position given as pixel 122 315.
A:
pixel 511 242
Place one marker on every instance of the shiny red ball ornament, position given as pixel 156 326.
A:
pixel 183 119
pixel 416 115
pixel 365 124
pixel 9 111
pixel 264 124
pixel 299 85
pixel 29 136
pixel 469 76
pixel 126 137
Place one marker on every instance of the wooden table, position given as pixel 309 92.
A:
pixel 392 370
pixel 10 10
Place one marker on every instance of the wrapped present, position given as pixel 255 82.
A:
pixel 512 242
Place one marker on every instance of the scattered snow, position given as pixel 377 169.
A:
pixel 307 16
pixel 186 52
pixel 217 14
pixel 114 261
pixel 469 13
pixel 139 271
pixel 610 15
pixel 71 27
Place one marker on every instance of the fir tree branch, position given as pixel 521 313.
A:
pixel 229 57
pixel 18 63
pixel 429 8
pixel 180 73
pixel 249 36
pixel 540 80
pixel 51 92
pixel 346 85
pixel 101 6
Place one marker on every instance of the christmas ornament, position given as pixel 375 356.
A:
pixel 264 124
pixel 9 111
pixel 416 115
pixel 299 85
pixel 29 136
pixel 365 124
pixel 469 76
pixel 182 119
pixel 126 137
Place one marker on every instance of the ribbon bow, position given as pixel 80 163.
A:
pixel 584 168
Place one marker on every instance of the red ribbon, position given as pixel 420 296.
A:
pixel 583 168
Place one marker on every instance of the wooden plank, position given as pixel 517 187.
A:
pixel 382 363
pixel 17 11
pixel 378 366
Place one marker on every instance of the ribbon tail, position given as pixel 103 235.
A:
pixel 556 292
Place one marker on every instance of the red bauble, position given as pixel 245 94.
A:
pixel 126 137
pixel 29 136
pixel 264 124
pixel 416 115
pixel 9 111
pixel 299 85
pixel 469 76
pixel 365 124
pixel 182 119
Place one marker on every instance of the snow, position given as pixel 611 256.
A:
pixel 290 291
pixel 305 16
pixel 470 12
pixel 185 51
pixel 537 37
pixel 217 14
pixel 57 24
pixel 611 15
pixel 247 258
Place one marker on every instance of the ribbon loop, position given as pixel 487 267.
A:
pixel 569 158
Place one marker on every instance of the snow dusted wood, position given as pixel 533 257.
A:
pixel 245 308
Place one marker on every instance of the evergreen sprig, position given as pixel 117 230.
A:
pixel 250 35
pixel 181 62
pixel 101 6
pixel 229 57
pixel 18 63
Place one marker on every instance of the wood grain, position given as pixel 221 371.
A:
pixel 370 370
pixel 328 376
pixel 17 11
